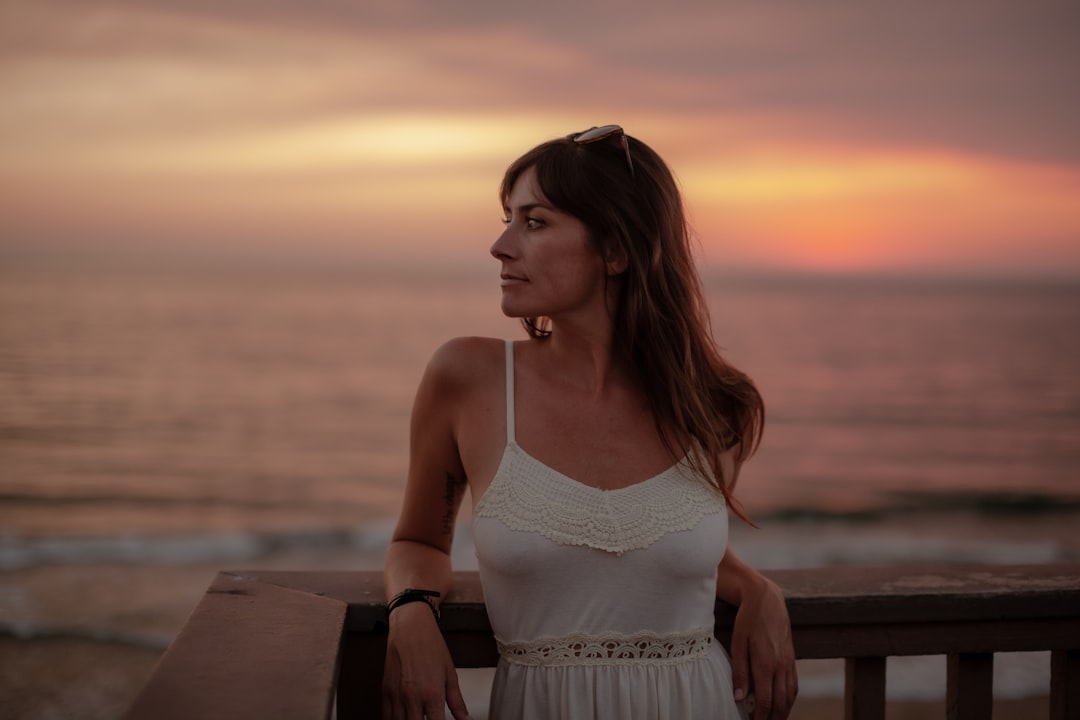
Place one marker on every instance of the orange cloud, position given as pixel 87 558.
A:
pixel 853 210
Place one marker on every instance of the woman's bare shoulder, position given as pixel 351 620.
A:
pixel 464 361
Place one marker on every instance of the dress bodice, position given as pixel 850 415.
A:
pixel 601 600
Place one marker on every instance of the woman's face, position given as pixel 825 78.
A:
pixel 549 266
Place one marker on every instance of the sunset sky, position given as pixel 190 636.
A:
pixel 835 136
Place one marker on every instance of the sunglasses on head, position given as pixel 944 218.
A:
pixel 597 134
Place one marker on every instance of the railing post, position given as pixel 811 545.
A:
pixel 1064 684
pixel 359 690
pixel 864 688
pixel 969 693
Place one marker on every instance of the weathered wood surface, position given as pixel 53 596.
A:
pixel 846 612
pixel 251 649
pixel 852 595
pixel 266 644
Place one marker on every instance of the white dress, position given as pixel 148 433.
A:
pixel 601 601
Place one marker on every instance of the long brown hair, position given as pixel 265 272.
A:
pixel 662 328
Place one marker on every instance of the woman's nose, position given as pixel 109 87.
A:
pixel 502 248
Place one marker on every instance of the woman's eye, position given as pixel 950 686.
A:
pixel 530 223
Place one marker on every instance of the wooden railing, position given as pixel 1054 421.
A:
pixel 288 644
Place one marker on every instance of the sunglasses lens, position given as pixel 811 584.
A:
pixel 597 133
pixel 600 133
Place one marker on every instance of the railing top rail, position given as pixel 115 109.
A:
pixel 926 593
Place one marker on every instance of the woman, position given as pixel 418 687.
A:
pixel 600 454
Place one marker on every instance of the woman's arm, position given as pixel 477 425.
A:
pixel 762 652
pixel 419 678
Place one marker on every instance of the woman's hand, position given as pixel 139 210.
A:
pixel 419 680
pixel 762 652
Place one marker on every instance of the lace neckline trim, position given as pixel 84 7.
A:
pixel 676 468
pixel 527 495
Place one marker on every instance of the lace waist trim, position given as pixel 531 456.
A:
pixel 645 648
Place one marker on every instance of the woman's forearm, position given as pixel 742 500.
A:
pixel 735 580
pixel 411 564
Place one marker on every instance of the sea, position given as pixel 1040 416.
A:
pixel 160 424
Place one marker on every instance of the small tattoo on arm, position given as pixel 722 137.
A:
pixel 451 495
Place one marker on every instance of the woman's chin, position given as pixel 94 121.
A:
pixel 513 310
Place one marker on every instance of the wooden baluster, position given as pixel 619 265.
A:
pixel 1064 684
pixel 969 694
pixel 864 688
pixel 359 688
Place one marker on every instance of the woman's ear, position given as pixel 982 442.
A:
pixel 616 261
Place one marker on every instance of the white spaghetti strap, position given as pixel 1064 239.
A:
pixel 510 437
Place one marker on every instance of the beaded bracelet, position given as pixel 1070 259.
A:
pixel 409 595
